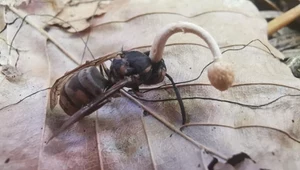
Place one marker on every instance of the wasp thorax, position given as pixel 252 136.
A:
pixel 139 66
pixel 221 75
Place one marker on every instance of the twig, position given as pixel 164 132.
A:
pixel 170 126
pixel 206 84
pixel 241 127
pixel 244 46
pixel 24 98
pixel 283 20
pixel 10 23
pixel 88 37
pixel 272 5
pixel 221 100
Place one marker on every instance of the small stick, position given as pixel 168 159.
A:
pixel 241 127
pixel 170 126
pixel 283 20
pixel 272 5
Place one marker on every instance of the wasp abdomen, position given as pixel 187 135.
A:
pixel 81 89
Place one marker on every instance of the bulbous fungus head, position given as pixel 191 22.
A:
pixel 220 75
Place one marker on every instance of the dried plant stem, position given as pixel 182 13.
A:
pixel 283 20
pixel 161 38
pixel 170 126
pixel 43 32
pixel 272 5
pixel 241 127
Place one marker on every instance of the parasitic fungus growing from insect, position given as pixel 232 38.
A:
pixel 133 69
pixel 220 73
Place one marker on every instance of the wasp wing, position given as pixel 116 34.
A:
pixel 59 83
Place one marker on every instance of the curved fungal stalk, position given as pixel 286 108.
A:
pixel 220 73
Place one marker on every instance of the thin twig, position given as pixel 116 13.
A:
pixel 272 5
pixel 18 58
pixel 241 127
pixel 8 44
pixel 65 22
pixel 221 100
pixel 246 45
pixel 206 84
pixel 88 37
pixel 48 88
pixel 170 126
pixel 8 24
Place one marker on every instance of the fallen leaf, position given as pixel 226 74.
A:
pixel 15 3
pixel 10 72
pixel 120 135
pixel 75 15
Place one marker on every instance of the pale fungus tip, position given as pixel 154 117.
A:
pixel 220 75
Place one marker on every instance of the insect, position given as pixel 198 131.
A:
pixel 87 87
pixel 86 84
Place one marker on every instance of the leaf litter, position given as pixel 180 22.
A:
pixel 76 15
pixel 11 72
pixel 245 45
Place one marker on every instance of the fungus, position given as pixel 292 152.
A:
pixel 220 73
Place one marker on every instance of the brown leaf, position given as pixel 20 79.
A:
pixel 76 14
pixel 15 3
pixel 119 136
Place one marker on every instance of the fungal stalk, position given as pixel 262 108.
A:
pixel 220 73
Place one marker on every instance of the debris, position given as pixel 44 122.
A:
pixel 15 3
pixel 240 161
pixel 75 15
pixel 294 64
pixel 11 73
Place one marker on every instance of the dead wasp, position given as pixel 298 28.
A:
pixel 87 88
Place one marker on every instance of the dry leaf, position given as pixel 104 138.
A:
pixel 75 15
pixel 10 72
pixel 119 136
pixel 15 3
